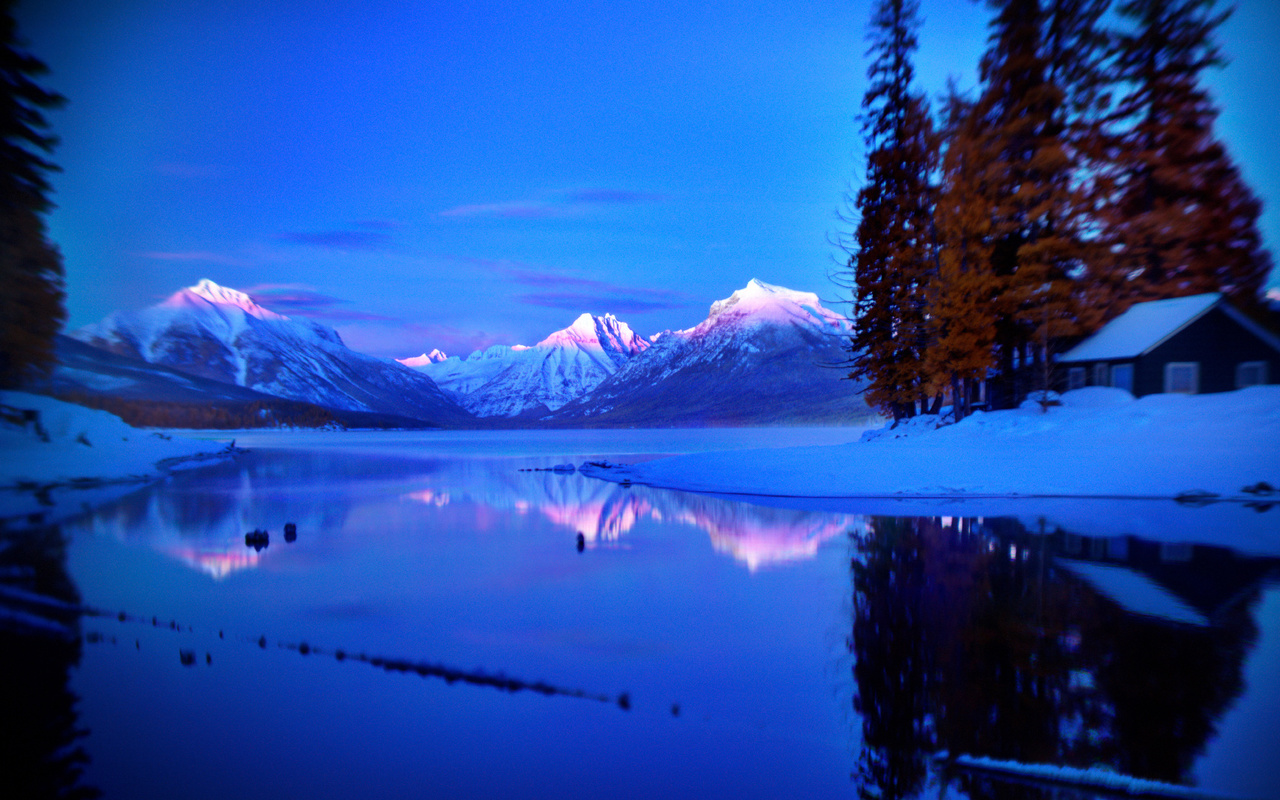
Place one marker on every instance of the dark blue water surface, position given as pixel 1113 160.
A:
pixel 447 624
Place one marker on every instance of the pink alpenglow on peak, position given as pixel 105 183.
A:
pixel 207 292
pixel 434 357
pixel 605 333
pixel 765 302
pixel 222 335
pixel 508 380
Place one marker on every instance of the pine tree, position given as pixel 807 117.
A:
pixel 963 289
pixel 1181 220
pixel 31 293
pixel 1038 208
pixel 892 252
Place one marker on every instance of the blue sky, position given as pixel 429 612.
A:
pixel 449 174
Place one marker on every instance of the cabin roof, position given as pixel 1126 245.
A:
pixel 1142 327
pixel 1136 592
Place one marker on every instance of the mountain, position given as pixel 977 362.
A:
pixel 154 396
pixel 220 334
pixel 765 355
pixel 507 381
pixel 434 357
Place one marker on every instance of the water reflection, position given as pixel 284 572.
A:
pixel 1037 646
pixel 603 513
pixel 203 521
pixel 1003 637
pixel 41 744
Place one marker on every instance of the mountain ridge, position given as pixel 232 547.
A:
pixel 221 334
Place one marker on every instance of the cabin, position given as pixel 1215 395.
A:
pixel 1190 345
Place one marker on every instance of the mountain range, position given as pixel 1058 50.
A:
pixel 764 355
pixel 221 334
pixel 507 381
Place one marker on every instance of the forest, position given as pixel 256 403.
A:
pixel 1003 225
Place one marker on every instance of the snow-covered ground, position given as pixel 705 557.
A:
pixel 85 449
pixel 1100 442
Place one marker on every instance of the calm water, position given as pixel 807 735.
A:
pixel 438 629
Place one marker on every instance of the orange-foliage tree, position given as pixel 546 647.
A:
pixel 1038 208
pixel 963 289
pixel 1180 219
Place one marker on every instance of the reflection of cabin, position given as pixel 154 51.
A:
pixel 1190 583
pixel 1187 344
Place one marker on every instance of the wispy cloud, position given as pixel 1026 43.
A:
pixel 203 256
pixel 293 299
pixel 619 303
pixel 410 339
pixel 563 203
pixel 518 210
pixel 558 290
pixel 613 197
pixel 181 169
pixel 381 224
pixel 354 239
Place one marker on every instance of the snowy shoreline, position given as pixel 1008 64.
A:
pixel 65 457
pixel 1099 444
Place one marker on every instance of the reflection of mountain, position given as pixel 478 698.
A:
pixel 203 523
pixel 980 639
pixel 602 512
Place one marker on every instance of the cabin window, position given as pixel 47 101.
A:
pixel 1122 377
pixel 1182 377
pixel 1251 373
pixel 1075 378
pixel 1099 374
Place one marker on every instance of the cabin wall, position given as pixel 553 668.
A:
pixel 1218 344
pixel 1215 341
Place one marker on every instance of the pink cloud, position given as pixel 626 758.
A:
pixel 195 255
pixel 563 203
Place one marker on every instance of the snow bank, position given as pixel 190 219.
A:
pixel 1098 443
pixel 84 445
pixel 1092 777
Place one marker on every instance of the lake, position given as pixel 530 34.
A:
pixel 455 619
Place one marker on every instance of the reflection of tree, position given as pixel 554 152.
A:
pixel 889 644
pixel 1168 691
pixel 968 639
pixel 40 752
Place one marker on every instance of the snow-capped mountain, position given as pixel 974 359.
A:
pixel 506 381
pixel 218 333
pixel 764 355
pixel 434 357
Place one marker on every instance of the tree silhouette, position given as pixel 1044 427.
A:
pixel 31 290
pixel 892 253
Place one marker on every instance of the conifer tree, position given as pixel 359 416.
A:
pixel 892 250
pixel 31 293
pixel 1181 220
pixel 1038 208
pixel 962 290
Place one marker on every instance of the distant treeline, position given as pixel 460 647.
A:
pixel 232 414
